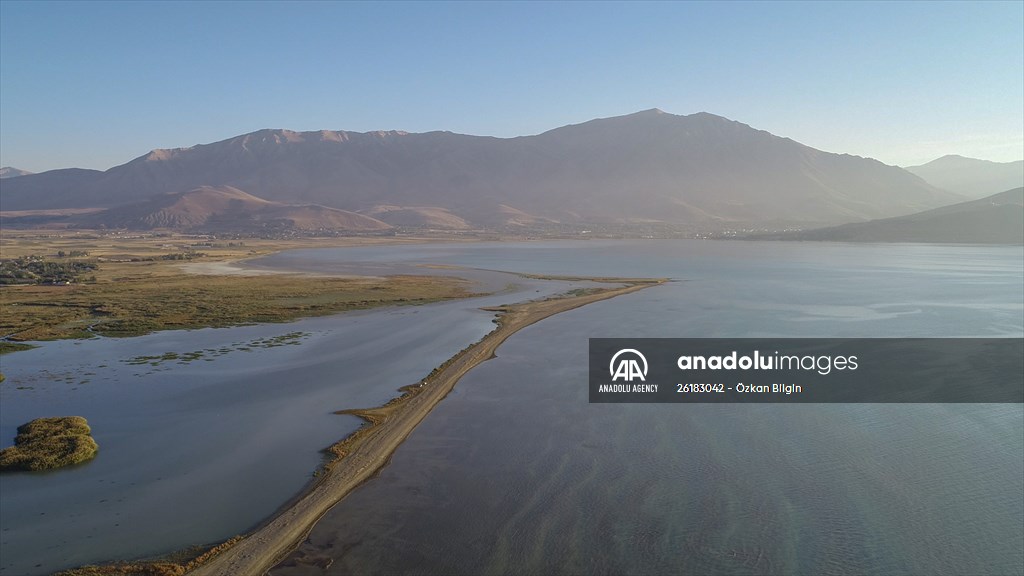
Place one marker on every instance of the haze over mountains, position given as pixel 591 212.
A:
pixel 996 219
pixel 971 177
pixel 650 166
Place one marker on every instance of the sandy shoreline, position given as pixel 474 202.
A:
pixel 362 454
pixel 237 267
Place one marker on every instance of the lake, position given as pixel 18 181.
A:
pixel 515 471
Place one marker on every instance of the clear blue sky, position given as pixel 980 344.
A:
pixel 96 84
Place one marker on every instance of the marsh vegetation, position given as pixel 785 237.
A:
pixel 48 443
pixel 137 287
pixel 289 339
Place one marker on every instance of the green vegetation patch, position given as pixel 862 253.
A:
pixel 48 443
pixel 7 346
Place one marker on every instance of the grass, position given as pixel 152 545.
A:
pixel 134 298
pixel 48 443
pixel 8 347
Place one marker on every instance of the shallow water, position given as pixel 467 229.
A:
pixel 516 473
pixel 195 451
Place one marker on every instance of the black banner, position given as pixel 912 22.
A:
pixel 856 370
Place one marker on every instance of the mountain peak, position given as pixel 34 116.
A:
pixel 957 159
pixel 658 113
pixel 160 155
pixel 652 113
pixel 954 160
pixel 971 177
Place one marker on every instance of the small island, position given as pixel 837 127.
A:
pixel 48 443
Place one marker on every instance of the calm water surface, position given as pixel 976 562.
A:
pixel 195 451
pixel 517 473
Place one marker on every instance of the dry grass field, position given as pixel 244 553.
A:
pixel 139 286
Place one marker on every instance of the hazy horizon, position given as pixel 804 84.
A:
pixel 93 85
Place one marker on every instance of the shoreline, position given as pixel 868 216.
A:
pixel 360 455
pixel 238 267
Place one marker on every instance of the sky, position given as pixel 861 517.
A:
pixel 94 84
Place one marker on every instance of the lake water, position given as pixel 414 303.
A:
pixel 515 471
pixel 193 451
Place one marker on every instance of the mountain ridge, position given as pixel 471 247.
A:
pixel 650 166
pixel 971 177
pixel 995 219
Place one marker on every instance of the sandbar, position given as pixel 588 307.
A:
pixel 367 450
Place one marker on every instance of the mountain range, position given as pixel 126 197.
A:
pixel 648 167
pixel 971 177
